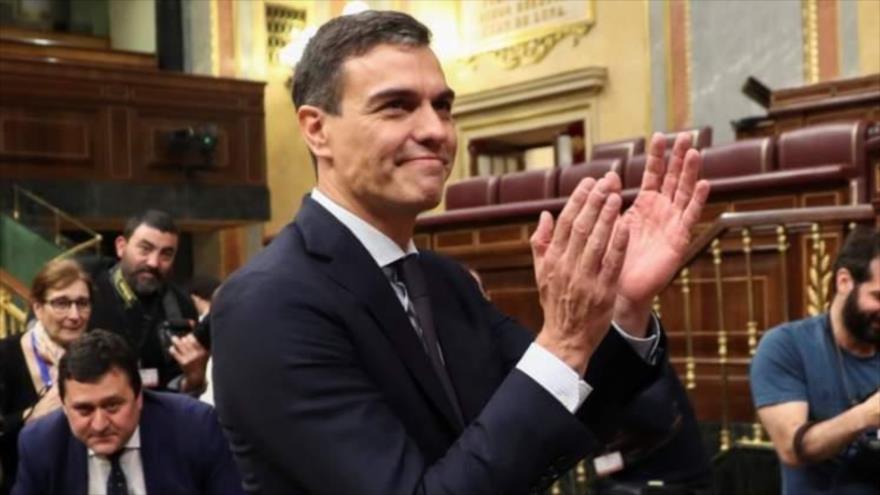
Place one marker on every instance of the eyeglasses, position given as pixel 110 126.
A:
pixel 63 304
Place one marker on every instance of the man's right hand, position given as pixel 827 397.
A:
pixel 577 266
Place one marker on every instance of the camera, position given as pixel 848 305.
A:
pixel 863 456
pixel 172 328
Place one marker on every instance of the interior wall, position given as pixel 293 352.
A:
pixel 722 61
pixel 133 25
pixel 869 35
pixel 618 41
pixel 647 46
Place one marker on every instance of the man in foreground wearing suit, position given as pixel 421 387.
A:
pixel 348 362
pixel 113 438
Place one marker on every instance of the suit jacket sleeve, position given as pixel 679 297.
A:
pixel 319 421
pixel 616 373
pixel 221 475
pixel 28 477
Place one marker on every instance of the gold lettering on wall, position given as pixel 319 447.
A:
pixel 522 32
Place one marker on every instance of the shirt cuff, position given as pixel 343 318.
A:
pixel 554 376
pixel 645 347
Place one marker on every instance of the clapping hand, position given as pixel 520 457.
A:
pixel 577 264
pixel 659 222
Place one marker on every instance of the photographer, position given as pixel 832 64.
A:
pixel 816 383
pixel 135 299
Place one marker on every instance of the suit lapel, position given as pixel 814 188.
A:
pixel 78 470
pixel 351 266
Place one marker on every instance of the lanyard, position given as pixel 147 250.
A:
pixel 44 368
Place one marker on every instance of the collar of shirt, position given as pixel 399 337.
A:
pixel 381 248
pixel 134 443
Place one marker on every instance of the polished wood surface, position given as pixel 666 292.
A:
pixel 53 38
pixel 500 252
pixel 101 120
pixel 829 101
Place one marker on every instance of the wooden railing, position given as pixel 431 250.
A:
pixel 792 249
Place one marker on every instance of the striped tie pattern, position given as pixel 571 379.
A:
pixel 409 282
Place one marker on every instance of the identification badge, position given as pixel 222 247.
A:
pixel 150 377
pixel 608 463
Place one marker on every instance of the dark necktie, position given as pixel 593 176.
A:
pixel 116 484
pixel 410 273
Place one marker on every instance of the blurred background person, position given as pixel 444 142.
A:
pixel 62 303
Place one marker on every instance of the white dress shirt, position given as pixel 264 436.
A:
pixel 542 366
pixel 130 461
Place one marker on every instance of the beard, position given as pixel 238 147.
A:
pixel 140 285
pixel 862 325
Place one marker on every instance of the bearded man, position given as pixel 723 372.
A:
pixel 816 382
pixel 136 300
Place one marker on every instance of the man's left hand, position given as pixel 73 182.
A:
pixel 660 220
pixel 192 358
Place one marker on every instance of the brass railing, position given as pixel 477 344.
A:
pixel 40 213
pixel 57 220
pixel 735 234
pixel 12 317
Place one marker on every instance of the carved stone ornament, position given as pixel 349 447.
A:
pixel 532 51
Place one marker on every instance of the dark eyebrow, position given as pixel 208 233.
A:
pixel 400 93
pixel 146 243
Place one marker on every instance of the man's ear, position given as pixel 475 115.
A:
pixel 843 281
pixel 312 125
pixel 120 244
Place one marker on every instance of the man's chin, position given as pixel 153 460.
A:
pixel 104 447
pixel 146 288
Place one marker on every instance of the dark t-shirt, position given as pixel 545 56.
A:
pixel 139 323
pixel 798 361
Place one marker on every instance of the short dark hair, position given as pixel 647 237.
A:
pixel 156 219
pixel 861 247
pixel 93 355
pixel 317 80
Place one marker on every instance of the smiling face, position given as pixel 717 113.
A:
pixel 65 312
pixel 103 415
pixel 389 151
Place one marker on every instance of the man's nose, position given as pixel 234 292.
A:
pixel 431 127
pixel 153 260
pixel 99 421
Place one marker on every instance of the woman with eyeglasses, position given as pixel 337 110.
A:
pixel 61 296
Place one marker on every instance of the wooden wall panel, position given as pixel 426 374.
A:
pixel 41 142
pixel 105 123
pixel 119 128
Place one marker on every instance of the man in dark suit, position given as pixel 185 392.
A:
pixel 114 438
pixel 348 362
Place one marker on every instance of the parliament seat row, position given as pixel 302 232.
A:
pixel 830 155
